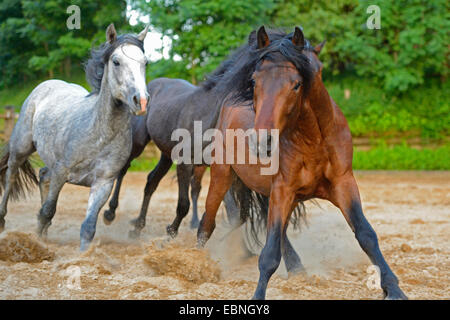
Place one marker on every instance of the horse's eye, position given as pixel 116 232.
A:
pixel 116 63
pixel 297 85
pixel 252 81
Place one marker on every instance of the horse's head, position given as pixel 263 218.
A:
pixel 125 70
pixel 282 78
pixel 119 65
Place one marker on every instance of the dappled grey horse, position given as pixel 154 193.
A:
pixel 83 138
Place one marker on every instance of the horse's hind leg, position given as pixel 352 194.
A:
pixel 232 209
pixel 44 183
pixel 15 171
pixel 153 180
pixel 184 173
pixel 100 193
pixel 291 258
pixel 57 179
pixel 110 214
pixel 196 187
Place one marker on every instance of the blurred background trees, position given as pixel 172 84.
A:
pixel 391 83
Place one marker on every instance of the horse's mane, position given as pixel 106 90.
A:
pixel 233 76
pixel 95 66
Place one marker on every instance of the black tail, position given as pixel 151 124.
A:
pixel 254 209
pixel 25 180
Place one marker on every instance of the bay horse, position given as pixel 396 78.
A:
pixel 83 138
pixel 278 85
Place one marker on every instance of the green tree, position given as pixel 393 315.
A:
pixel 202 32
pixel 35 39
pixel 411 46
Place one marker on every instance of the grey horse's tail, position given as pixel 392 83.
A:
pixel 254 209
pixel 25 180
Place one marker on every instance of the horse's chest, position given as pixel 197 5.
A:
pixel 102 162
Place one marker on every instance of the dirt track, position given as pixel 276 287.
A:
pixel 409 211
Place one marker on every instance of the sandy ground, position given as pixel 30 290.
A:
pixel 409 211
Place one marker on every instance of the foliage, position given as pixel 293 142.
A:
pixel 203 32
pixel 35 40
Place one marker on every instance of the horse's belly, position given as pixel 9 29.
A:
pixel 251 176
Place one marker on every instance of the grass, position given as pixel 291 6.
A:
pixel 381 157
pixel 16 95
pixel 422 113
pixel 402 157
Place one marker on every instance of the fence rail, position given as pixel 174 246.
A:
pixel 9 118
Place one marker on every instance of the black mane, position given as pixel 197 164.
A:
pixel 233 76
pixel 95 66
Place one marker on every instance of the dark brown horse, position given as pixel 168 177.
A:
pixel 280 87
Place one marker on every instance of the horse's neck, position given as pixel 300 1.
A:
pixel 317 114
pixel 107 115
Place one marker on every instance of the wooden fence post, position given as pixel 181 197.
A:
pixel 10 118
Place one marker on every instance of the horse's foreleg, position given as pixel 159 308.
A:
pixel 184 173
pixel 280 208
pixel 110 214
pixel 221 180
pixel 50 197
pixel 153 180
pixel 345 196
pixel 98 196
pixel 196 187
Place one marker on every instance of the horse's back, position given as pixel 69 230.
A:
pixel 53 94
pixel 167 88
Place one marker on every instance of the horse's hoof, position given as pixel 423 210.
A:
pixel 137 223
pixel 108 217
pixel 43 230
pixel 84 245
pixel 296 271
pixel 396 294
pixel 134 234
pixel 2 224
pixel 171 231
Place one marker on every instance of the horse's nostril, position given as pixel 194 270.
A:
pixel 135 100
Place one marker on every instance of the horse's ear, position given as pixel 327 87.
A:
pixel 263 38
pixel 252 37
pixel 298 39
pixel 319 47
pixel 111 34
pixel 143 33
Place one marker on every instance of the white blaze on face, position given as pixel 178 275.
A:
pixel 135 61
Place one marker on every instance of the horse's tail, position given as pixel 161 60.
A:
pixel 254 209
pixel 25 180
